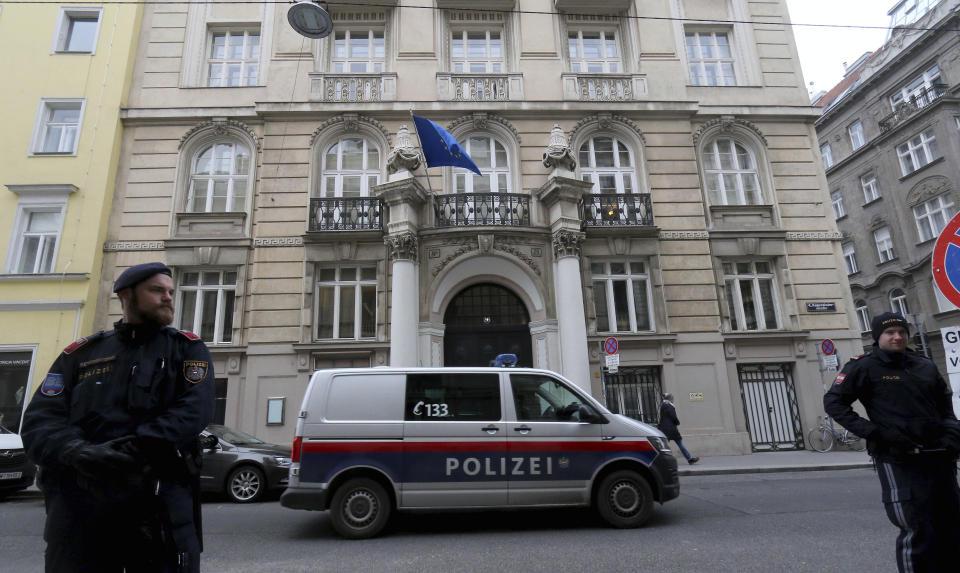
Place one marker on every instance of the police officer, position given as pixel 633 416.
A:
pixel 114 429
pixel 914 439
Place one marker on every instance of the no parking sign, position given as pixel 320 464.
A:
pixel 946 261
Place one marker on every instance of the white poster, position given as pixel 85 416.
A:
pixel 951 350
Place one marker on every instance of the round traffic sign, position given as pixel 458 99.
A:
pixel 946 261
pixel 828 347
pixel 610 345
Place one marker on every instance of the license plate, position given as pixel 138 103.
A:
pixel 11 475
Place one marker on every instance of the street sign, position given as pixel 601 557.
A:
pixel 951 348
pixel 830 362
pixel 613 362
pixel 946 261
pixel 610 345
pixel 828 347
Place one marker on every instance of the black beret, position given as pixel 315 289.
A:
pixel 887 320
pixel 139 273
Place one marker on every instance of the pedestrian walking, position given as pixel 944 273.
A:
pixel 669 423
pixel 913 437
pixel 114 428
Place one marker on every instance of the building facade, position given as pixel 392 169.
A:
pixel 649 173
pixel 67 73
pixel 887 136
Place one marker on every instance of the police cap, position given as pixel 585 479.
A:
pixel 139 273
pixel 887 320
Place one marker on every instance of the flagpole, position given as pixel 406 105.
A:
pixel 425 172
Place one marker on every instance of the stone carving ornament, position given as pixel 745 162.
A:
pixel 567 244
pixel 558 153
pixel 221 126
pixel 404 156
pixel 403 247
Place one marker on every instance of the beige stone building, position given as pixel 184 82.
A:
pixel 649 172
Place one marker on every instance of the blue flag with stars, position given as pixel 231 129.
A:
pixel 440 148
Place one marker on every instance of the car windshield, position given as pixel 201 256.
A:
pixel 231 436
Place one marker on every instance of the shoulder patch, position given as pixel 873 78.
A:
pixel 75 345
pixel 188 335
pixel 840 378
pixel 195 370
pixel 52 385
pixel 858 357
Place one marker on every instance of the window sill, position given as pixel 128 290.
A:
pixel 872 201
pixel 53 153
pixel 17 277
pixel 840 218
pixel 74 52
pixel 923 168
pixel 887 262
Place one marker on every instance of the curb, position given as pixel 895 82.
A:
pixel 771 469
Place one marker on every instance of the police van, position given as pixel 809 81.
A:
pixel 373 440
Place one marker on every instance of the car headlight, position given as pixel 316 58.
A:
pixel 281 461
pixel 659 443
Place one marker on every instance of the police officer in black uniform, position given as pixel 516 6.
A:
pixel 914 439
pixel 114 429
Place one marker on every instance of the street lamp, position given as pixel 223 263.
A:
pixel 310 19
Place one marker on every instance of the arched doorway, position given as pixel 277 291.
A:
pixel 485 320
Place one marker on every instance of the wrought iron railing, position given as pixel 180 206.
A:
pixel 907 108
pixel 617 209
pixel 345 214
pixel 469 209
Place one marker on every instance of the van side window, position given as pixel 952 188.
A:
pixel 539 398
pixel 446 397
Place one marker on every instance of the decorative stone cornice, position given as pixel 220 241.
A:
pixel 278 242
pixel 113 246
pixel 683 235
pixel 815 236
pixel 927 189
pixel 527 259
pixel 405 246
pixel 567 244
pixel 480 121
pixel 221 126
pixel 350 123
pixel 727 124
pixel 558 153
pixel 604 121
pixel 464 245
pixel 404 156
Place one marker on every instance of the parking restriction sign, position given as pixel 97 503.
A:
pixel 946 261
pixel 610 345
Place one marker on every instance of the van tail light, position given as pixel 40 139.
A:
pixel 295 454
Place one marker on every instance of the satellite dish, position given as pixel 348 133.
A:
pixel 310 19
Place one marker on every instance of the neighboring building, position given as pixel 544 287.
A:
pixel 892 125
pixel 644 177
pixel 66 73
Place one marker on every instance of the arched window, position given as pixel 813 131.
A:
pixel 607 162
pixel 351 167
pixel 863 315
pixel 730 170
pixel 898 302
pixel 218 178
pixel 490 155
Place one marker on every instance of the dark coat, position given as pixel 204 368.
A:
pixel 669 421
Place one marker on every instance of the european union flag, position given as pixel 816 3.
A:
pixel 440 148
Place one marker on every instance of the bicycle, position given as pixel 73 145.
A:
pixel 824 436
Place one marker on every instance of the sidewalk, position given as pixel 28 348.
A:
pixel 788 461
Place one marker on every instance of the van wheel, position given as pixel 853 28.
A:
pixel 625 499
pixel 360 508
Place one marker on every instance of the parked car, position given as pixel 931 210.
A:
pixel 240 465
pixel 16 472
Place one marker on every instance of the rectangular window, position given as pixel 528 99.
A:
pixel 540 398
pixel 452 397
pixel 58 126
pixel 621 295
pixel 14 378
pixel 837 199
pixel 358 51
pixel 77 30
pixel 918 151
pixel 863 318
pixel 220 401
pixel 233 59
pixel 868 183
pixel 709 59
pixel 36 237
pixel 933 215
pixel 850 259
pixel 206 304
pixel 477 52
pixel 751 295
pixel 593 51
pixel 827 154
pixel 346 302
pixel 856 135
pixel 884 244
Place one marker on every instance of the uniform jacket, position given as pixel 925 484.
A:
pixel 142 380
pixel 903 391
pixel 669 421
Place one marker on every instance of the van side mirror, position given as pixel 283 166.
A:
pixel 208 442
pixel 591 416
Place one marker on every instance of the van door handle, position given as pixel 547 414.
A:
pixel 490 429
pixel 522 429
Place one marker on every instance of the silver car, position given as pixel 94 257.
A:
pixel 240 465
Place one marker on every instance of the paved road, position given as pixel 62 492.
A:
pixel 804 521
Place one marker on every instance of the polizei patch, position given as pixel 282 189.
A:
pixel 52 385
pixel 840 379
pixel 195 370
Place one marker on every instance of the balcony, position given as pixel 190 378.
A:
pixel 345 214
pixel 479 87
pixel 353 88
pixel 475 209
pixel 603 87
pixel 617 210
pixel 908 108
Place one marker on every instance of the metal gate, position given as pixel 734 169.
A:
pixel 770 405
pixel 634 391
